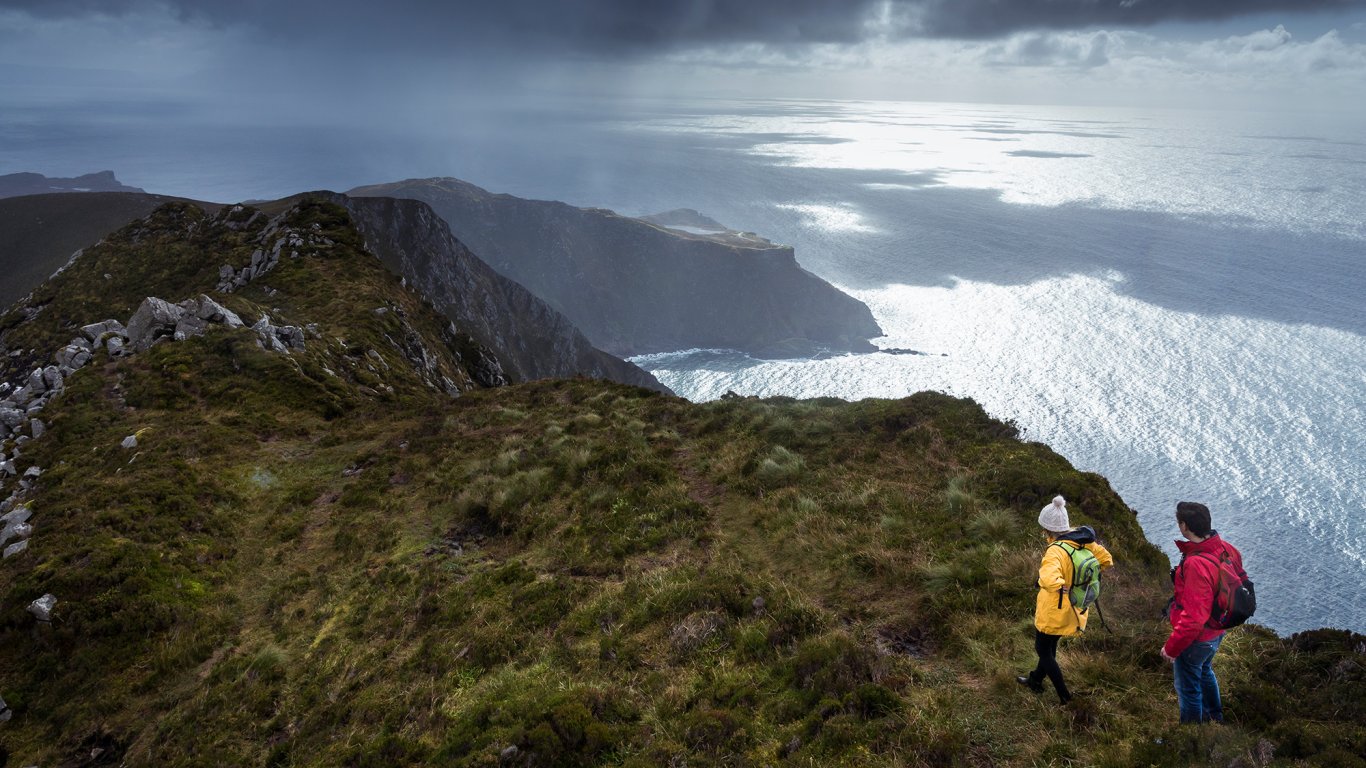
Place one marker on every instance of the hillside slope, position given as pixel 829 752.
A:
pixel 634 287
pixel 39 233
pixel 320 556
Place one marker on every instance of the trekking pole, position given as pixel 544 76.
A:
pixel 1101 613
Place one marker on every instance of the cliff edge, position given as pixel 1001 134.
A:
pixel 636 287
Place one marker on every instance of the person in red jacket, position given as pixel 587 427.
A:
pixel 1192 644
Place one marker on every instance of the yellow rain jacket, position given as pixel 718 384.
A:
pixel 1051 615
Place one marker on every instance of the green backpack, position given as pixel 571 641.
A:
pixel 1085 589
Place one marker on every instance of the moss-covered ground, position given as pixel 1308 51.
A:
pixel 297 568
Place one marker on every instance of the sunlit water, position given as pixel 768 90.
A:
pixel 1171 299
pixel 1176 301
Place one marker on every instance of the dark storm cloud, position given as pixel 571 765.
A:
pixel 626 26
pixel 994 18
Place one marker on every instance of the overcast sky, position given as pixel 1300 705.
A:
pixel 412 59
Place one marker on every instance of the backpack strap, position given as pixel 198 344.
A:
pixel 1216 578
pixel 1216 560
pixel 1069 549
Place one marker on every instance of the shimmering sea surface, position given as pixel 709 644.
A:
pixel 1176 300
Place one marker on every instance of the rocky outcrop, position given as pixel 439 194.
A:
pixel 155 321
pixel 159 320
pixel 14 527
pixel 530 339
pixel 634 286
pixel 274 239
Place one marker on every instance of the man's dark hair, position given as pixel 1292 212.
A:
pixel 1195 515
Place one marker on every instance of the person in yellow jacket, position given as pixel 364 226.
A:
pixel 1054 615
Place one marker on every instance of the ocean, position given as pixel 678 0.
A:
pixel 1173 299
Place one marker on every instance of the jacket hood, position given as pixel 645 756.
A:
pixel 1212 544
pixel 1079 536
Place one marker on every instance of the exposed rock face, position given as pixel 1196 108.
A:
pixel 98 332
pixel 158 319
pixel 155 320
pixel 212 311
pixel 531 339
pixel 635 287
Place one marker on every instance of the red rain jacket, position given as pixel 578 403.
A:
pixel 1194 591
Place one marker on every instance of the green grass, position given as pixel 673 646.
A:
pixel 296 569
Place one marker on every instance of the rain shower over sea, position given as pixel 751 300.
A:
pixel 1175 300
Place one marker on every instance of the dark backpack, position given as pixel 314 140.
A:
pixel 1235 599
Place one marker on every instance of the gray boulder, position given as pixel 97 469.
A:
pixel 21 397
pixel 267 336
pixel 16 531
pixel 7 469
pixel 14 549
pixel 189 326
pixel 11 417
pixel 129 442
pixel 212 311
pixel 52 378
pixel 97 331
pixel 115 345
pixel 37 428
pixel 16 515
pixel 42 607
pixel 72 357
pixel 35 383
pixel 291 335
pixel 155 320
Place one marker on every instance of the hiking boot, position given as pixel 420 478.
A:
pixel 1030 683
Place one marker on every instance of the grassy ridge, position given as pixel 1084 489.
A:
pixel 296 568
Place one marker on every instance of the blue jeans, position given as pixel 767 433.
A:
pixel 1197 690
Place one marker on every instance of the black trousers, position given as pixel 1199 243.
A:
pixel 1047 648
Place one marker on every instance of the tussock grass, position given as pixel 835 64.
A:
pixel 780 467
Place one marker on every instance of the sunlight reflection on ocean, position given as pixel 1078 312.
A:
pixel 1259 171
pixel 1254 408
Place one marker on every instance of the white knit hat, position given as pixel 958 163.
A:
pixel 1054 516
